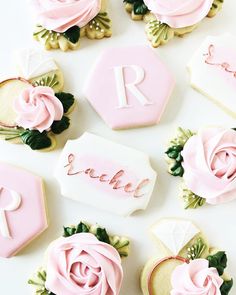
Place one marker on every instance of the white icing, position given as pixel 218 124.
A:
pixel 14 205
pixel 101 195
pixel 207 79
pixel 174 233
pixel 121 85
pixel 34 63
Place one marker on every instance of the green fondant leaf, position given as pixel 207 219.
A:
pixel 72 34
pixel 59 126
pixel 35 139
pixel 102 235
pixel 218 261
pixel 67 100
pixel 226 287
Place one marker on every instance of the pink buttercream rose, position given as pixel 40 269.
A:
pixel 60 15
pixel 179 13
pixel 37 108
pixel 196 278
pixel 82 265
pixel 209 161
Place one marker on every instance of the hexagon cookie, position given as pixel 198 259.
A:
pixel 129 87
pixel 22 209
pixel 213 71
pixel 109 176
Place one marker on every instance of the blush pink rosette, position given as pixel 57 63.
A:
pixel 179 13
pixel 196 278
pixel 37 108
pixel 61 15
pixel 209 161
pixel 83 265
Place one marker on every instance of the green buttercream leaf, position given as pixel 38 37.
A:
pixel 102 235
pixel 72 34
pixel 59 126
pixel 226 287
pixel 140 8
pixel 218 261
pixel 67 100
pixel 35 139
pixel 82 228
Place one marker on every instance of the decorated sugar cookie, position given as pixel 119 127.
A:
pixel 213 71
pixel 86 260
pixel 33 108
pixel 22 209
pixel 61 24
pixel 128 91
pixel 206 160
pixel 166 19
pixel 185 264
pixel 109 176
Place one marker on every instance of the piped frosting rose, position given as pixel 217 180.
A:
pixel 37 108
pixel 61 15
pixel 209 161
pixel 196 278
pixel 179 13
pixel 81 264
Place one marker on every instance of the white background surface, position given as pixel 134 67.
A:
pixel 186 108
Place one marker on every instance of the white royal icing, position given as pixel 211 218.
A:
pixel 174 233
pixel 122 85
pixel 34 63
pixel 213 70
pixel 109 176
pixel 12 206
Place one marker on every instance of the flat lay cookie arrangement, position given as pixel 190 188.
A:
pixel 130 136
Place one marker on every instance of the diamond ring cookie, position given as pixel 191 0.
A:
pixel 166 19
pixel 86 260
pixel 61 24
pixel 33 107
pixel 185 264
pixel 129 87
pixel 213 71
pixel 206 160
pixel 22 209
pixel 107 175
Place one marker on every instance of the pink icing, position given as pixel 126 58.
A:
pixel 106 175
pixel 196 278
pixel 37 108
pixel 60 15
pixel 29 218
pixel 83 265
pixel 179 13
pixel 143 108
pixel 222 61
pixel 210 164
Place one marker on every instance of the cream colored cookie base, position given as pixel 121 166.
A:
pixel 9 91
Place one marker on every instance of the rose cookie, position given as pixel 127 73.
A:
pixel 86 260
pixel 128 91
pixel 185 264
pixel 109 176
pixel 166 19
pixel 206 160
pixel 33 106
pixel 213 71
pixel 61 24
pixel 22 209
